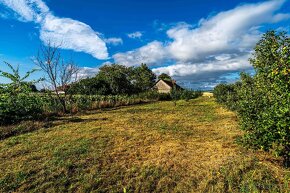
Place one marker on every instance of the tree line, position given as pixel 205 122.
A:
pixel 116 79
pixel 64 92
pixel 262 101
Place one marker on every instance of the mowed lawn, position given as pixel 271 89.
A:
pixel 155 147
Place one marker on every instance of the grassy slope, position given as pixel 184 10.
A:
pixel 153 147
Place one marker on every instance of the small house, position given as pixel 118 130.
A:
pixel 165 86
pixel 61 89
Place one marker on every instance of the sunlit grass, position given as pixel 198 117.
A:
pixel 154 147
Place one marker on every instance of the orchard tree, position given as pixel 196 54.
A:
pixel 263 101
pixel 271 61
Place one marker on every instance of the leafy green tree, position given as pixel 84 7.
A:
pixel 227 94
pixel 143 78
pixel 2 90
pixel 164 76
pixel 91 86
pixel 33 88
pixel 221 92
pixel 117 77
pixel 269 127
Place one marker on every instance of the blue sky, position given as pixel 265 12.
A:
pixel 199 42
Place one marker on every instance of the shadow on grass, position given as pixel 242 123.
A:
pixel 32 126
pixel 79 120
pixel 52 120
pixel 109 109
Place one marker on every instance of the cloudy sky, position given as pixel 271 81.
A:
pixel 198 42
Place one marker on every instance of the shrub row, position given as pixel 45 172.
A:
pixel 32 106
pixel 185 94
pixel 262 102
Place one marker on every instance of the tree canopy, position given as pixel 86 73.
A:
pixel 117 79
pixel 164 76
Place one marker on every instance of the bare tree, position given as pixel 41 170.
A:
pixel 59 74
pixel 68 73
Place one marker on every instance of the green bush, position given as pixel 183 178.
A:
pixel 226 94
pixel 188 94
pixel 184 94
pixel 17 101
pixel 221 93
pixel 15 108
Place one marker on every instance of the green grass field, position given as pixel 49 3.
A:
pixel 155 147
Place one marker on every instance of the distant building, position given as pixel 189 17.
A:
pixel 61 89
pixel 165 86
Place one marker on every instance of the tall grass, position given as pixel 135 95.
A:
pixel 77 103
pixel 37 106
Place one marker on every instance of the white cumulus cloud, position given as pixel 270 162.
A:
pixel 135 35
pixel 227 31
pixel 224 63
pixel 220 43
pixel 86 72
pixel 72 34
pixel 27 10
pixel 152 54
pixel 68 33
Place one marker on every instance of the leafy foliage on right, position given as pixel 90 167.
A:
pixel 263 101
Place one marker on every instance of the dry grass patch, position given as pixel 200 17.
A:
pixel 155 147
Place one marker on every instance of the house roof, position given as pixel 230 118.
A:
pixel 170 83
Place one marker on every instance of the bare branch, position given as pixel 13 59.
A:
pixel 59 73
